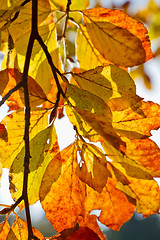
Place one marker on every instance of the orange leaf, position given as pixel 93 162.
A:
pixel 147 153
pixel 90 221
pixel 118 37
pixel 94 170
pixel 10 78
pixel 137 122
pixel 115 207
pixel 4 229
pixel 61 193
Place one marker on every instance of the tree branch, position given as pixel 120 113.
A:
pixel 27 116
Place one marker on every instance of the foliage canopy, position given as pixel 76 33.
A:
pixel 43 73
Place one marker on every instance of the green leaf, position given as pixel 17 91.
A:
pixel 43 147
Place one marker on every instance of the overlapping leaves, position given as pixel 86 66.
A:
pixel 103 107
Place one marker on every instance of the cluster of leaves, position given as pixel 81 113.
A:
pixel 39 78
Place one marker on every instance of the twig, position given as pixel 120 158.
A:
pixel 53 68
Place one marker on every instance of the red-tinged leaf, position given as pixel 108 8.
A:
pixel 3 132
pixel 90 221
pixel 118 37
pixel 61 192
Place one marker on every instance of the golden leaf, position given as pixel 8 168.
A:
pixel 118 37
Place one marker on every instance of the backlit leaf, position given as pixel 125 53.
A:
pixel 138 121
pixel 94 170
pixel 43 147
pixel 4 229
pixel 14 124
pixel 118 37
pixel 39 67
pixel 76 4
pixel 95 112
pixel 90 221
pixel 9 78
pixel 19 231
pixel 109 83
pixel 84 45
pixel 61 193
pixel 135 179
pixel 111 201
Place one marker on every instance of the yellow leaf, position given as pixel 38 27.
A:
pixel 95 112
pixel 39 67
pixel 19 231
pixel 61 192
pixel 84 45
pixel 76 4
pixel 43 147
pixel 94 170
pixel 110 83
pixel 118 37
pixel 14 124
pixel 83 128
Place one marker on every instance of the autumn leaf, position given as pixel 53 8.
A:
pixel 111 83
pixel 90 221
pixel 14 124
pixel 39 68
pixel 9 78
pixel 112 201
pixel 19 231
pixel 76 4
pixel 94 170
pixel 4 229
pixel 43 147
pixel 138 121
pixel 61 192
pixel 3 132
pixel 93 58
pixel 95 112
pixel 118 37
pixel 135 179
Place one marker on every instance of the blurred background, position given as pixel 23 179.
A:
pixel 147 79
